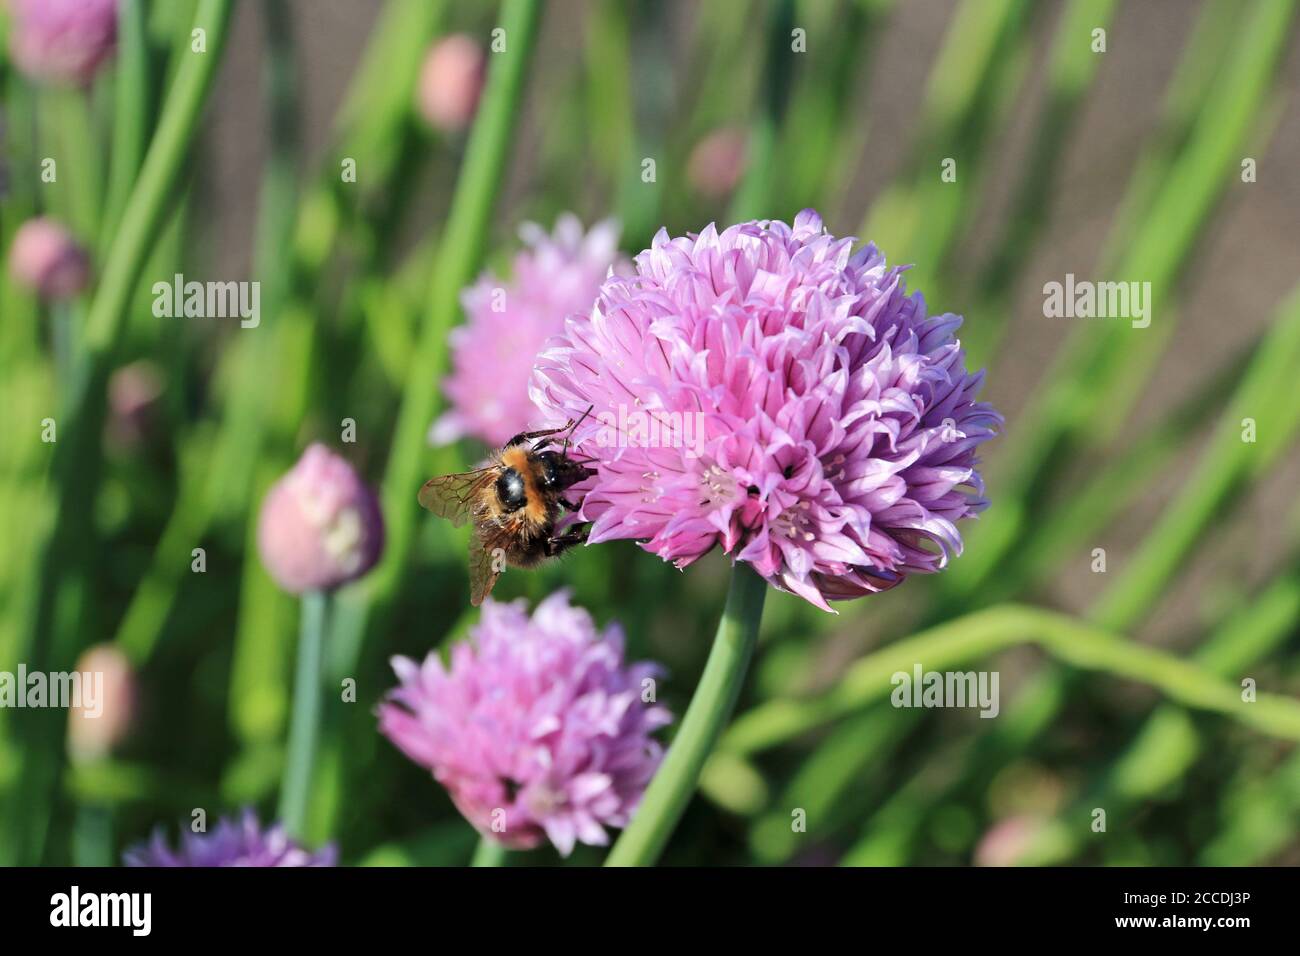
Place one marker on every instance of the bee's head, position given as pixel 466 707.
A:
pixel 559 472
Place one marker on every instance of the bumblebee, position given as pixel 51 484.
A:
pixel 515 502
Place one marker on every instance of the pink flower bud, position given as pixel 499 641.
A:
pixel 45 258
pixel 1006 841
pixel 451 81
pixel 62 41
pixel 717 163
pixel 133 393
pixel 320 525
pixel 108 703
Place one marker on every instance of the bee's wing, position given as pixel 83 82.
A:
pixel 484 568
pixel 452 496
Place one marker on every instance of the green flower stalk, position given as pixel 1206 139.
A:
pixel 320 527
pixel 304 728
pixel 75 466
pixel 668 794
pixel 975 636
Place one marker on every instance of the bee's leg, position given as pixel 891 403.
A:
pixel 529 436
pixel 568 426
pixel 569 505
pixel 558 545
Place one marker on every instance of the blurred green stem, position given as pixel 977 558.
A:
pixel 488 853
pixel 1098 372
pixel 670 791
pixel 976 636
pixel 142 218
pixel 304 731
pixel 76 458
pixel 63 342
pixel 130 114
pixel 1167 745
pixel 92 836
pixel 754 197
pixel 459 256
pixel 74 467
pixel 76 138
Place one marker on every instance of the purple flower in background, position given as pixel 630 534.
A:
pixel 45 258
pixel 320 525
pixel 239 842
pixel 451 81
pixel 62 41
pixel 506 325
pixel 537 729
pixel 767 391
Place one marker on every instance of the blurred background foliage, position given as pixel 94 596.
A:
pixel 1120 689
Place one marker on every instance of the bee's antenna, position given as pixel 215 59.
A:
pixel 572 428
pixel 590 409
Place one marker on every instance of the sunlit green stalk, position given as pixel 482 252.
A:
pixel 158 177
pixel 131 97
pixel 673 785
pixel 81 185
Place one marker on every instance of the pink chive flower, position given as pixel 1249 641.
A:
pixel 717 162
pixel 320 525
pixel 451 81
pixel 62 41
pixel 45 258
pixel 507 323
pixel 537 729
pixel 767 391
